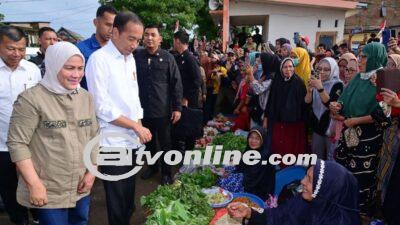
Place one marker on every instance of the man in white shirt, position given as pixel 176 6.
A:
pixel 16 75
pixel 111 78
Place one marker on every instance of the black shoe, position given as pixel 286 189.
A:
pixel 148 174
pixel 166 180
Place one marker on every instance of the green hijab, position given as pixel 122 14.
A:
pixel 358 98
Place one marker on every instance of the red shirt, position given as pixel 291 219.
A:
pixel 395 111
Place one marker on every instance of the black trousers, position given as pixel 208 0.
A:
pixel 160 129
pixel 209 107
pixel 8 190
pixel 182 144
pixel 120 195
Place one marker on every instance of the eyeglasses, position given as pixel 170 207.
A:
pixel 320 69
pixel 360 57
pixel 350 70
pixel 391 64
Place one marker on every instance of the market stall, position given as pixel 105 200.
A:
pixel 194 197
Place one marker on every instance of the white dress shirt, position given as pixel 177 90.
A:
pixel 12 83
pixel 111 79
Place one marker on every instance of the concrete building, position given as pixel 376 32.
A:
pixel 323 21
pixel 65 34
pixel 31 29
pixel 372 14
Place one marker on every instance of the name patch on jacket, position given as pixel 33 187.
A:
pixel 55 124
pixel 84 123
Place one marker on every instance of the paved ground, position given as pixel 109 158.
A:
pixel 98 211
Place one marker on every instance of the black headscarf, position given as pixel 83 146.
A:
pixel 335 201
pixel 286 99
pixel 258 179
pixel 270 64
pixel 283 41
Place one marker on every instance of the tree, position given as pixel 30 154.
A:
pixel 206 26
pixel 1 19
pixel 162 12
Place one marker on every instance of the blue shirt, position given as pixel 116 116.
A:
pixel 87 47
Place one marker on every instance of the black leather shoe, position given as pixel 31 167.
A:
pixel 148 174
pixel 166 180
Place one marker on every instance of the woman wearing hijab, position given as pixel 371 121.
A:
pixel 260 88
pixel 393 61
pixel 322 90
pixel 286 49
pixel 284 114
pixel 302 64
pixel 391 194
pixel 258 179
pixel 242 121
pixel 351 71
pixel 50 127
pixel 391 197
pixel 278 44
pixel 255 62
pixel 391 137
pixel 329 197
pixel 213 83
pixel 344 61
pixel 364 122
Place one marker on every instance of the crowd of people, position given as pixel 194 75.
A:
pixel 292 101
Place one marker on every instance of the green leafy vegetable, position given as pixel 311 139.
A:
pixel 204 178
pixel 230 141
pixel 181 203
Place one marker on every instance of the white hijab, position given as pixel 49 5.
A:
pixel 318 107
pixel 56 56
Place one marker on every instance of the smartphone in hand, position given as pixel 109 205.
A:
pixel 388 78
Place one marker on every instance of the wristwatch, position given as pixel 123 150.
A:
pixel 320 90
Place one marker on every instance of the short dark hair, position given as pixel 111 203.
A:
pixel 322 45
pixel 45 29
pixel 123 18
pixel 182 36
pixel 154 26
pixel 105 8
pixel 13 33
pixel 343 45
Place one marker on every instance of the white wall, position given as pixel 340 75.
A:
pixel 285 20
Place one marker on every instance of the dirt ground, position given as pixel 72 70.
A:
pixel 98 210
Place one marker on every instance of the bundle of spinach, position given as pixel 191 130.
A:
pixel 176 213
pixel 204 178
pixel 180 204
pixel 230 141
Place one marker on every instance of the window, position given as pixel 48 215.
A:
pixel 336 23
pixel 327 38
pixel 319 23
